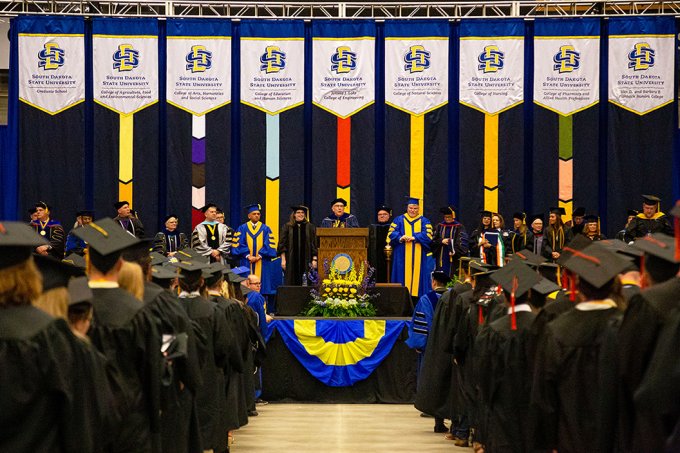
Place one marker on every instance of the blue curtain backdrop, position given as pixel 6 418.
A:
pixel 633 154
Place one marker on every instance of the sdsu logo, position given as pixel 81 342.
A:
pixel 51 57
pixel 491 60
pixel 126 58
pixel 417 59
pixel 199 59
pixel 567 59
pixel 641 57
pixel 273 60
pixel 343 60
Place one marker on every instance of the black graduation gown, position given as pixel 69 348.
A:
pixel 181 377
pixel 377 240
pixel 555 240
pixel 236 412
pixel 640 226
pixel 574 388
pixel 645 317
pixel 298 244
pixel 210 398
pixel 129 338
pixel 519 241
pixel 502 370
pixel 432 395
pixel 549 312
pixel 54 395
pixel 462 304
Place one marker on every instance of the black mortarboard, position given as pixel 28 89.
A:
pixel 519 215
pixel 651 200
pixel 73 259
pixel 545 287
pixel 559 211
pixel 596 265
pixel 157 258
pixel 622 248
pixel 526 277
pixel 483 279
pixel 190 266
pixel 540 217
pixel 339 200
pixel 301 207
pixel 578 243
pixel 17 242
pixel 485 213
pixel 384 208
pixel 549 271
pixel 119 204
pixel 42 204
pixel 168 217
pixel 79 291
pixel 245 290
pixel 139 252
pixel 481 267
pixel 214 270
pixel 86 213
pixel 55 274
pixel 441 277
pixel 590 218
pixel 659 245
pixel 529 257
pixel 579 212
pixel 208 206
pixel 448 210
pixel 234 278
pixel 164 273
pixel 632 212
pixel 191 254
pixel 106 237
pixel 32 210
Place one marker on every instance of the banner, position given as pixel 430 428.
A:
pixel 198 87
pixel 339 353
pixel 491 84
pixel 125 83
pixel 641 128
pixel 416 91
pixel 566 87
pixel 51 120
pixel 272 93
pixel 343 88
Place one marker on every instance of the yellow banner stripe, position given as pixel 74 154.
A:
pixel 125 191
pixel 417 181
pixel 272 205
pixel 125 154
pixel 339 354
pixel 345 193
pixel 491 163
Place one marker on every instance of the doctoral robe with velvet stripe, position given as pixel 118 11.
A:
pixel 257 239
pixel 412 262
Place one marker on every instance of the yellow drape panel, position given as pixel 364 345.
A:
pixel 339 354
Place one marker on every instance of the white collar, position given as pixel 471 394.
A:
pixel 102 284
pixel 520 307
pixel 593 305
pixel 189 295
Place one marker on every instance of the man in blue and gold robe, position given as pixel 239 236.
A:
pixel 254 244
pixel 410 236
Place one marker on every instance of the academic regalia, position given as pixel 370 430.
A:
pixel 555 239
pixel 520 241
pixel 455 232
pixel 219 345
pixel 74 244
pixel 257 239
pixel 412 261
pixel 255 301
pixel 181 377
pixel 209 236
pixel 377 239
pixel 128 336
pixel 641 226
pixel 421 322
pixel 494 254
pixel 53 232
pixel 132 225
pixel 169 241
pixel 344 221
pixel 298 244
pixel 235 410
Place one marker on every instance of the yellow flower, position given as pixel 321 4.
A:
pixel 326 281
pixel 328 290
pixel 353 291
pixel 335 290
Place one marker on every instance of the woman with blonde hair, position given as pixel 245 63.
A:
pixel 131 279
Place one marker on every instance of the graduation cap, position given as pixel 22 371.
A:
pixel 138 253
pixel 234 278
pixel 540 217
pixel 208 206
pixel 253 207
pixel 191 254
pixel 17 242
pixel 157 258
pixel 578 243
pixel 448 210
pixel 55 274
pixel 516 279
pixel 301 207
pixel 85 213
pixel 485 213
pixel 595 264
pixel 42 204
pixel 412 200
pixel 520 215
pixel 579 212
pixel 106 241
pixel 245 290
pixel 544 287
pixel 659 245
pixel 651 200
pixel 241 271
pixel 76 260
pixel 384 208
pixel 168 217
pixel 32 211
pixel 590 218
pixel 622 248
pixel 191 266
pixel 481 267
pixel 632 212
pixel 551 271
pixel 441 277
pixel 213 273
pixel 339 200
pixel 164 273
pixel 558 211
pixel 119 204
pixel 79 291
pixel 529 257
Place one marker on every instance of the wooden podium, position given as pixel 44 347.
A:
pixel 332 241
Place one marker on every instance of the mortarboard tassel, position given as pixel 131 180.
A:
pixel 572 289
pixel 513 316
pixel 642 271
pixel 480 318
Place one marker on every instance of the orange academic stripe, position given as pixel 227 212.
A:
pixel 344 151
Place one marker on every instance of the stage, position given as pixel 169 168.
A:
pixel 379 369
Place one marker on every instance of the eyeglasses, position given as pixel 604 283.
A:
pixel 257 284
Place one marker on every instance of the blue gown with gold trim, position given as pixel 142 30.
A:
pixel 412 262
pixel 256 240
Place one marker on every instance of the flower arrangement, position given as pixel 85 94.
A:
pixel 343 296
